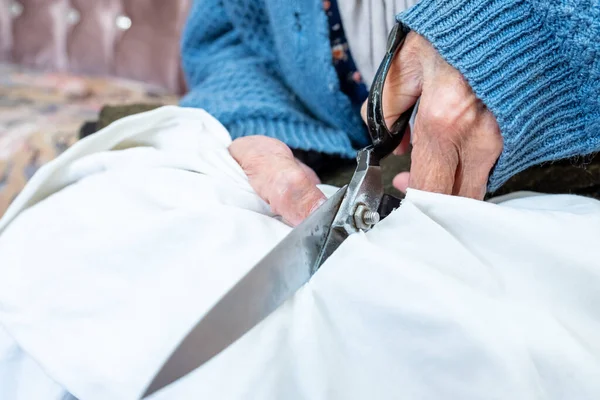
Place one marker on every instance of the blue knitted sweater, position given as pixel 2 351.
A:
pixel 264 67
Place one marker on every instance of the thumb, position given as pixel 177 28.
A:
pixel 404 82
pixel 277 177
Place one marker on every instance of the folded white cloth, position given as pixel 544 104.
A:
pixel 117 248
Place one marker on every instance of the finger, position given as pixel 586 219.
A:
pixel 447 116
pixel 277 178
pixel 401 181
pixel 478 156
pixel 293 195
pixel 312 175
pixel 433 168
pixel 434 158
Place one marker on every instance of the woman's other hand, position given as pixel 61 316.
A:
pixel 286 184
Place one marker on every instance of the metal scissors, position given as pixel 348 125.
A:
pixel 355 207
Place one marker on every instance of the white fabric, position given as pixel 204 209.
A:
pixel 447 298
pixel 367 24
pixel 21 378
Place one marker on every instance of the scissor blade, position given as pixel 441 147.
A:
pixel 264 288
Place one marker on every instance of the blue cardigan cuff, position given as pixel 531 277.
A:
pixel 508 52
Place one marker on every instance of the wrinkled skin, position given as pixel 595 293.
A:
pixel 289 186
pixel 456 140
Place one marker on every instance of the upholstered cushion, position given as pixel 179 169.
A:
pixel 137 39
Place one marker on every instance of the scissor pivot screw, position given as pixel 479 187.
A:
pixel 365 218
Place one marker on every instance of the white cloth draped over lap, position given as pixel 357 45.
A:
pixel 118 247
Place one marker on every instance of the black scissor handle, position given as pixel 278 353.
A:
pixel 386 140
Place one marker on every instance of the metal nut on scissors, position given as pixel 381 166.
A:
pixel 365 218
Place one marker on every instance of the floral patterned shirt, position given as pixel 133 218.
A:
pixel 351 82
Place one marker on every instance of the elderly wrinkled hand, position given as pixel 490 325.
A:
pixel 456 140
pixel 286 184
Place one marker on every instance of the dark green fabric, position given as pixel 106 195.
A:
pixel 391 166
pixel 567 176
pixel 110 114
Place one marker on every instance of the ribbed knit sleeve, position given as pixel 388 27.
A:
pixel 239 85
pixel 536 66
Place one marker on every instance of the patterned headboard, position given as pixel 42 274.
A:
pixel 136 39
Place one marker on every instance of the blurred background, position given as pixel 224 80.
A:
pixel 70 67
